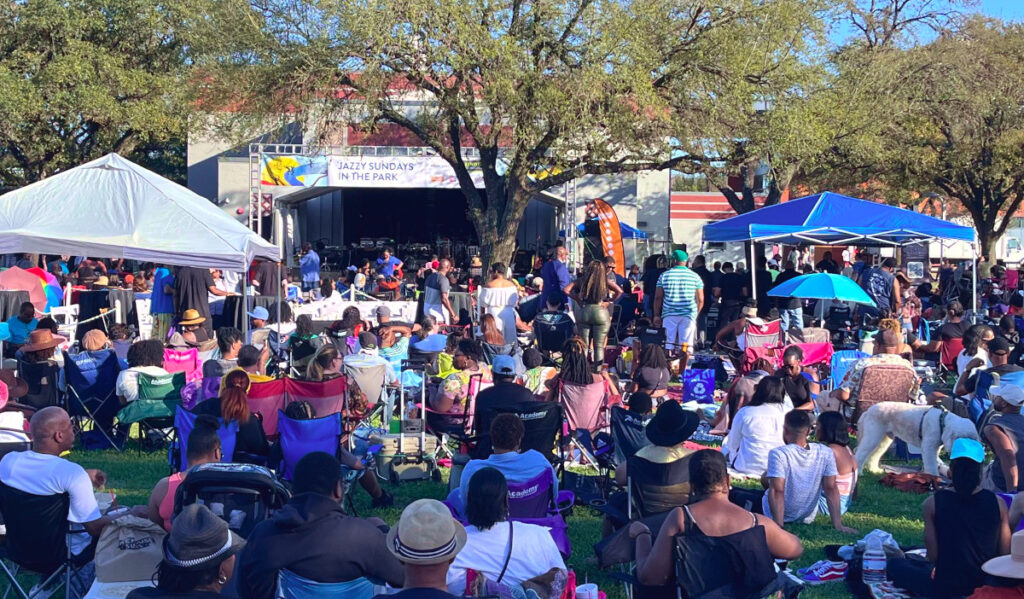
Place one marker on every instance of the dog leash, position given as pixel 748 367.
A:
pixel 942 421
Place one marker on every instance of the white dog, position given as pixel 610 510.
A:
pixel 924 426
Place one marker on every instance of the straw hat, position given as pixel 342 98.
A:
pixel 102 281
pixel 1008 566
pixel 192 317
pixel 426 534
pixel 16 386
pixel 475 262
pixel 40 339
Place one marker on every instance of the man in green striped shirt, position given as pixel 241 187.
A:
pixel 677 302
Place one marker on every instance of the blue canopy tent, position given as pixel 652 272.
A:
pixel 830 218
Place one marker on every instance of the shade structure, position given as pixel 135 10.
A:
pixel 822 285
pixel 114 208
pixel 830 218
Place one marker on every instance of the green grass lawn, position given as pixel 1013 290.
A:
pixel 132 476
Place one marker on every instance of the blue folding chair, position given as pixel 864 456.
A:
pixel 293 586
pixel 301 437
pixel 841 362
pixel 91 381
pixel 184 422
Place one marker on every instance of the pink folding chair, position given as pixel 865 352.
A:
pixel 767 334
pixel 186 361
pixel 326 397
pixel 584 405
pixel 267 399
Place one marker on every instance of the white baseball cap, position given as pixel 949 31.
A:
pixel 1010 393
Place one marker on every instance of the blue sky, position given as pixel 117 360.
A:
pixel 1005 9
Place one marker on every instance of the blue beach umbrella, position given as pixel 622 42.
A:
pixel 823 285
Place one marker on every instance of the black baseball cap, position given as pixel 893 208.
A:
pixel 999 345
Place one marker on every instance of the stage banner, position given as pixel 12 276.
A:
pixel 611 233
pixel 363 171
pixel 294 171
pixel 396 171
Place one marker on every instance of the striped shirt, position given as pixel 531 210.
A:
pixel 680 285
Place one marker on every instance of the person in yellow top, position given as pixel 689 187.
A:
pixel 253 362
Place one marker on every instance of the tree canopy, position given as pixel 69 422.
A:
pixel 83 78
pixel 545 92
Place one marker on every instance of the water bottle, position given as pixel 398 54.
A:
pixel 874 562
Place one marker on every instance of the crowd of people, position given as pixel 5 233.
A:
pixel 611 350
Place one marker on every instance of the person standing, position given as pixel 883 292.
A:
pixel 435 294
pixel 192 289
pixel 498 297
pixel 555 274
pixel 652 270
pixel 700 267
pixel 387 264
pixel 309 265
pixel 881 285
pixel 827 264
pixel 732 289
pixel 677 301
pixel 162 303
pixel 266 279
pixel 591 292
pixel 790 308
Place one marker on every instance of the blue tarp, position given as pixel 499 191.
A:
pixel 832 218
pixel 628 232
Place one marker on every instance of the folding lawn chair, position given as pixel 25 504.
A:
pixel 326 397
pixel 302 437
pixel 628 433
pixel 584 407
pixel 92 394
pixel 42 383
pixel 186 361
pixel 841 362
pixel 37 543
pixel 184 423
pixel 153 411
pixel 267 399
pixel 542 423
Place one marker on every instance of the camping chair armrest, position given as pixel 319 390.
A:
pixel 564 501
pixel 611 512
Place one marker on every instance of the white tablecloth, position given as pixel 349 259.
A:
pixel 332 310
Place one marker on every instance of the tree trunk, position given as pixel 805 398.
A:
pixel 496 229
pixel 987 239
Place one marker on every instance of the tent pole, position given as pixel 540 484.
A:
pixel 753 274
pixel 278 320
pixel 974 285
pixel 245 305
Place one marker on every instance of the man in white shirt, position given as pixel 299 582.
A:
pixel 41 471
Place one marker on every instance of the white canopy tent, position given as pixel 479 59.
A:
pixel 114 208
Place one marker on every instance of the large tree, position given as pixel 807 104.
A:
pixel 563 88
pixel 82 78
pixel 961 132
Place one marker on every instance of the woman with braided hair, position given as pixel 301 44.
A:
pixel 575 369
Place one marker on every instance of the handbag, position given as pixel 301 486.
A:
pixel 129 549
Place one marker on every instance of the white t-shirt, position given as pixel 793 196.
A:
pixel 533 553
pixel 128 380
pixel 755 431
pixel 44 474
pixel 962 360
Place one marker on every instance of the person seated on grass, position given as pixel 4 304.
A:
pixel 144 357
pixel 833 431
pixel 41 471
pixel 426 541
pixel 312 537
pixel 199 557
pixel 1006 572
pixel 651 374
pixel 203 448
pixel 963 528
pixel 739 547
pixel 506 434
pixel 757 428
pixel 232 406
pixel 303 410
pixel 799 473
pixel 492 539
pixel 1004 433
pixel 739 395
pixel 801 388
pixel 229 341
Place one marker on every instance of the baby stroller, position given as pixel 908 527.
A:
pixel 242 494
